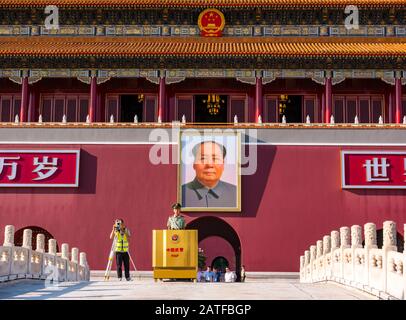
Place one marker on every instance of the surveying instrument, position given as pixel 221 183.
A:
pixel 112 251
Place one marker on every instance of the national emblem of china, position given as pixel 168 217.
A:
pixel 211 23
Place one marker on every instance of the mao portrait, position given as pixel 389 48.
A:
pixel 210 172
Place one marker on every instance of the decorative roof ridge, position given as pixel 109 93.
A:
pixel 200 3
pixel 197 39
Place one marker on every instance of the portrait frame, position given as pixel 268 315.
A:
pixel 181 180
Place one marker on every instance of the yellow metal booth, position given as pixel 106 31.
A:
pixel 174 254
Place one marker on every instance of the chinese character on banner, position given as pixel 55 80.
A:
pixel 405 167
pixel 13 166
pixel 49 167
pixel 375 170
pixel 39 168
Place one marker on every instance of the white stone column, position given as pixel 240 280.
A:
pixel 52 246
pixel 326 244
pixel 313 255
pixel 9 236
pixel 370 235
pixel 345 237
pixel 389 235
pixel 335 240
pixel 307 257
pixel 75 255
pixel 65 251
pixel 27 238
pixel 83 261
pixel 40 243
pixel 356 236
pixel 319 250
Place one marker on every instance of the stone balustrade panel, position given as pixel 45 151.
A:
pixel 395 274
pixel 48 266
pixel 376 275
pixel 35 266
pixel 360 266
pixel 61 269
pixel 348 273
pixel 81 273
pixel 72 272
pixel 328 262
pixel 336 261
pixel 5 262
pixel 19 262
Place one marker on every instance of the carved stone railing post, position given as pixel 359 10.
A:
pixel 327 260
pixel 313 255
pixel 326 244
pixel 307 265
pixel 345 242
pixel 319 246
pixel 370 243
pixel 75 255
pixel 356 236
pixel 9 236
pixel 389 236
pixel 52 246
pixel 356 242
pixel 320 262
pixel 27 238
pixel 389 244
pixel 65 251
pixel 345 237
pixel 40 243
pixel 302 268
pixel 335 240
pixel 370 235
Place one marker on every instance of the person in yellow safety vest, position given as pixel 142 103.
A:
pixel 123 234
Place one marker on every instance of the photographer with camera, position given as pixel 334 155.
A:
pixel 122 256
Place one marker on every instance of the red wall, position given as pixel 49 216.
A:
pixel 293 200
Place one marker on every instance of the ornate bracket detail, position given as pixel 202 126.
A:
pixel 389 80
pixel 266 80
pixel 248 80
pixel 17 80
pixel 101 80
pixel 337 80
pixel 171 80
pixel 86 80
pixel 319 80
pixel 32 80
pixel 154 80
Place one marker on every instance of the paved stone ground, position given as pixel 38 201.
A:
pixel 273 289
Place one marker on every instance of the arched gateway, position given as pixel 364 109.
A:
pixel 216 227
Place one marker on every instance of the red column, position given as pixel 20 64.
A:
pixel 398 100
pixel 93 99
pixel 328 100
pixel 162 98
pixel 31 107
pixel 24 100
pixel 258 98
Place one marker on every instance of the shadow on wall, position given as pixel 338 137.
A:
pixel 253 186
pixel 87 180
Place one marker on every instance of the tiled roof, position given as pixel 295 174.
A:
pixel 200 46
pixel 198 3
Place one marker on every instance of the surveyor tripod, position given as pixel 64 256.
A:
pixel 111 258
